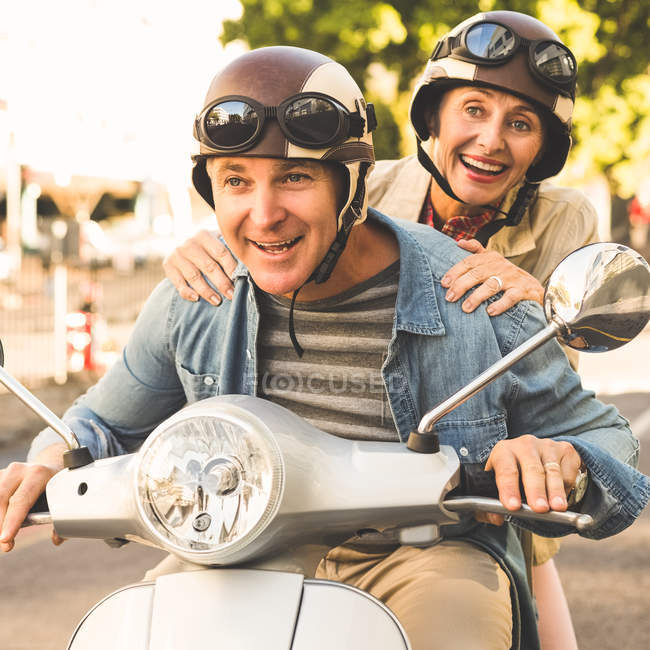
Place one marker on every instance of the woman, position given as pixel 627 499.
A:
pixel 492 114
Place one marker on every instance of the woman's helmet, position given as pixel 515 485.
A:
pixel 515 53
pixel 288 102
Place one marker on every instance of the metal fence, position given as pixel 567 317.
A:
pixel 27 311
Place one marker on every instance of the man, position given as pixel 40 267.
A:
pixel 285 152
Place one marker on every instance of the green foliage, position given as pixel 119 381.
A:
pixel 387 138
pixel 608 38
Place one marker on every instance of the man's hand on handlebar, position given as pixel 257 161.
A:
pixel 20 486
pixel 546 468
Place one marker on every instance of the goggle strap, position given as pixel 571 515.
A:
pixel 443 48
pixel 371 116
pixel 357 125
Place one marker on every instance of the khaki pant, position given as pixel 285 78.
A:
pixel 449 596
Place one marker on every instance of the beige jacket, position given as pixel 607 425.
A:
pixel 559 221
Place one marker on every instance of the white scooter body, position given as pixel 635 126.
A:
pixel 239 609
pixel 332 488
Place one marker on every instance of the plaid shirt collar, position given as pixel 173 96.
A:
pixel 461 227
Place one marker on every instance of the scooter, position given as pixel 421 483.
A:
pixel 249 496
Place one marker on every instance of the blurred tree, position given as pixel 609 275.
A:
pixel 387 139
pixel 608 37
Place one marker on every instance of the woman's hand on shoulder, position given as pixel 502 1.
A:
pixel 490 273
pixel 202 254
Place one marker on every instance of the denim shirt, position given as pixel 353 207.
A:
pixel 181 352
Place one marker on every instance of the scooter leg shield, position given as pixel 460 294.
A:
pixel 243 609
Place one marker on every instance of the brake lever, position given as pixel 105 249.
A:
pixel 37 519
pixel 578 520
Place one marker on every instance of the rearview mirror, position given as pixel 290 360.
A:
pixel 601 294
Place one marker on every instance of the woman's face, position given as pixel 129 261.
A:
pixel 486 141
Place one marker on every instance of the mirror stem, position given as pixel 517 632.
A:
pixel 429 419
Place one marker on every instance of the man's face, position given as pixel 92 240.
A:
pixel 279 217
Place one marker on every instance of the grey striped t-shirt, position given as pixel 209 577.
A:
pixel 337 384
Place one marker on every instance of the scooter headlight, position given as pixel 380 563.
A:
pixel 209 482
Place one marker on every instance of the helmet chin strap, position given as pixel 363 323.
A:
pixel 324 270
pixel 527 192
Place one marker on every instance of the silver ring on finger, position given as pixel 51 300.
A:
pixel 551 464
pixel 498 281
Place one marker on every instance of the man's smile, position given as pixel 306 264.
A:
pixel 276 247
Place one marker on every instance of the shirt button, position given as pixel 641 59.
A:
pixel 208 381
pixel 249 356
pixel 463 451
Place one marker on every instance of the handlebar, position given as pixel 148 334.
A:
pixel 478 491
pixel 483 504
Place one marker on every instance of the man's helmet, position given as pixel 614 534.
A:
pixel 288 102
pixel 515 53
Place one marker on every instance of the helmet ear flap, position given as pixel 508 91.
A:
pixel 421 110
pixel 201 180
pixel 555 150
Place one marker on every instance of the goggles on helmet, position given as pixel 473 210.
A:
pixel 492 43
pixel 233 124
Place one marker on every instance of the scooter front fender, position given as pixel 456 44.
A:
pixel 239 609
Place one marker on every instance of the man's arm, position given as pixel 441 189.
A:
pixel 550 405
pixel 112 418
pixel 137 393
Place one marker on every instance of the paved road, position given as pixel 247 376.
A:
pixel 44 590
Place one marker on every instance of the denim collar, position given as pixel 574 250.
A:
pixel 416 309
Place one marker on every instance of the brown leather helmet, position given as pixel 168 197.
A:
pixel 513 52
pixel 277 86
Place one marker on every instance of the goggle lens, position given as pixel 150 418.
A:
pixel 493 43
pixel 231 124
pixel 312 121
pixel 554 61
pixel 490 41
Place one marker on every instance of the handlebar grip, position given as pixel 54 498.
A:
pixel 41 504
pixel 474 480
pixel 39 513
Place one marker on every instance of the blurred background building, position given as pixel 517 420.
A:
pixel 96 103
